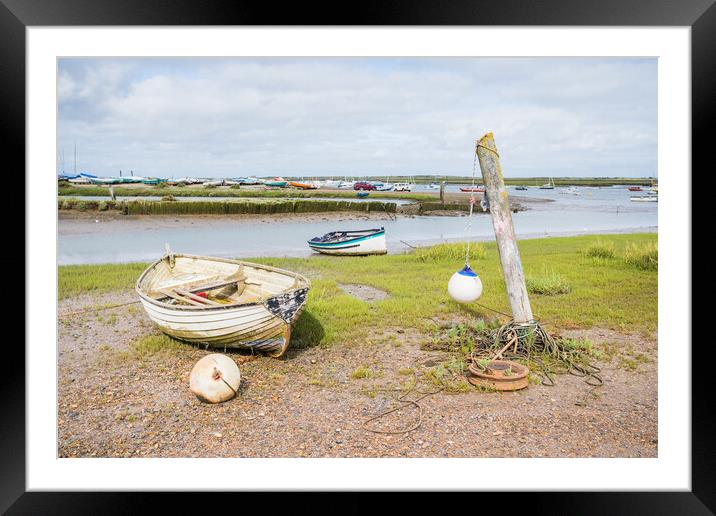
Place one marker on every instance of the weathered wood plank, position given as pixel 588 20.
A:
pixel 173 295
pixel 504 229
pixel 199 299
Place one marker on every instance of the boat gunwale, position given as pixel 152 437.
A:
pixel 211 308
pixel 369 233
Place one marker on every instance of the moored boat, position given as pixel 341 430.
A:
pixel 79 180
pixel 362 194
pixel 635 189
pixel 472 188
pixel 331 183
pixel 351 243
pixel 549 185
pixel 223 303
pixel 302 186
pixel 521 187
pixel 153 180
pixel 645 198
pixel 276 184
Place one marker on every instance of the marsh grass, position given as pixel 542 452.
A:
pixel 169 205
pixel 608 297
pixel 214 191
pixel 78 279
pixel 445 252
pixel 644 257
pixel 600 249
pixel 547 284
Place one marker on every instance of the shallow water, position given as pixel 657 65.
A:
pixel 595 210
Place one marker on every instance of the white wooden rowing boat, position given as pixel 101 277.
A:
pixel 351 243
pixel 223 303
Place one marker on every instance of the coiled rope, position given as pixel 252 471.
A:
pixel 542 353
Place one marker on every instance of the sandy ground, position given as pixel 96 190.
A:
pixel 113 403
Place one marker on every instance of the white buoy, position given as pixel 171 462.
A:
pixel 215 378
pixel 465 286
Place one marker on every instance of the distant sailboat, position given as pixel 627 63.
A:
pixel 549 185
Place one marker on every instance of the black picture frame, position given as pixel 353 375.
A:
pixel 17 15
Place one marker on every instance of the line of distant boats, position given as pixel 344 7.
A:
pixel 361 186
pixel 275 182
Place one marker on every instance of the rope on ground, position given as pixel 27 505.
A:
pixel 403 404
pixel 542 353
pixel 107 307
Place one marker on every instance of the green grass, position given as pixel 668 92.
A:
pixel 450 252
pixel 169 205
pixel 78 279
pixel 616 295
pixel 600 249
pixel 361 372
pixel 548 284
pixel 645 257
pixel 214 191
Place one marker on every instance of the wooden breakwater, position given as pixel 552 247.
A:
pixel 225 207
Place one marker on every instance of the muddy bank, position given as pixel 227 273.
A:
pixel 117 401
pixel 75 222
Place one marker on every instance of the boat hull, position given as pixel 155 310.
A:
pixel 249 327
pixel 302 186
pixel 373 244
pixel 263 325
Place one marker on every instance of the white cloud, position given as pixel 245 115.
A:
pixel 220 117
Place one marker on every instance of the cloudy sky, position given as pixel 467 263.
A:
pixel 357 116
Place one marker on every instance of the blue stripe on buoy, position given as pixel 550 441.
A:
pixel 467 271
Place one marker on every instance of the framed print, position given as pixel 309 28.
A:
pixel 415 253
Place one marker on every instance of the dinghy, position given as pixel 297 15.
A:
pixel 351 243
pixel 302 186
pixel 223 303
pixel 477 189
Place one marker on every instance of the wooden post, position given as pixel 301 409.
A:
pixel 504 230
pixel 442 192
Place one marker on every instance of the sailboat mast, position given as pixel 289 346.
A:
pixel 75 158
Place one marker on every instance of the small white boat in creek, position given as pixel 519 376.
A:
pixel 223 303
pixel 351 243
pixel 645 198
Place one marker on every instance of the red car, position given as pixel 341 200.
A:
pixel 362 185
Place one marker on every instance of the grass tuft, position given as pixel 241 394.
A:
pixel 152 344
pixel 551 284
pixel 600 249
pixel 361 372
pixel 445 252
pixel 645 257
